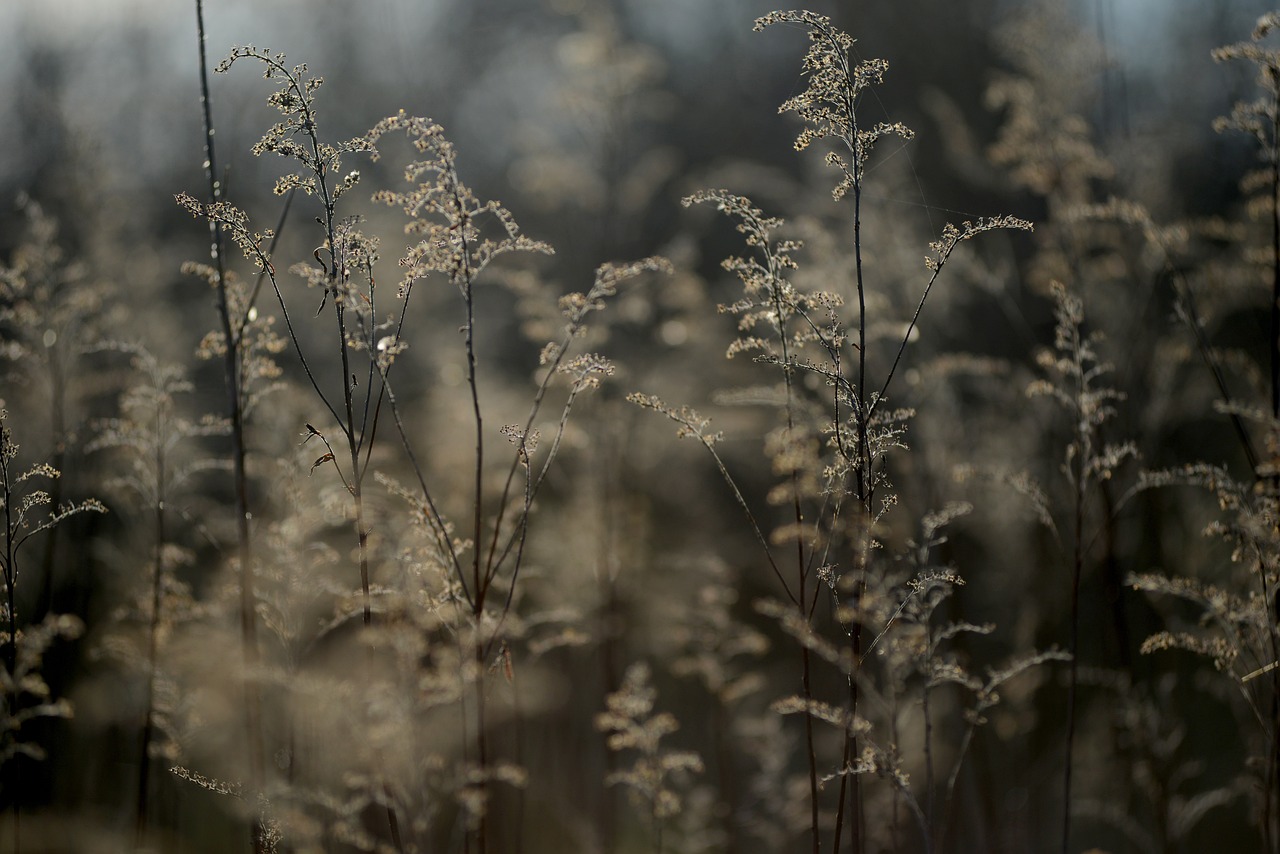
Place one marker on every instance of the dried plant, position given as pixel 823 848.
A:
pixel 52 310
pixel 632 725
pixel 837 432
pixel 456 236
pixel 1234 624
pixel 28 511
pixel 1075 373
pixel 384 599
pixel 149 435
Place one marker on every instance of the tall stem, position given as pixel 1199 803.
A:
pixel 353 448
pixel 865 486
pixel 1275 255
pixel 1272 598
pixel 480 572
pixel 248 626
pixel 802 573
pixel 11 643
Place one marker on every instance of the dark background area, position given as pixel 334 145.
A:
pixel 590 119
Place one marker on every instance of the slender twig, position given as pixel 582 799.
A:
pixel 10 568
pixel 251 302
pixel 1271 599
pixel 233 379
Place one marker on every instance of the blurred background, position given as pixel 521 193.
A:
pixel 590 120
pixel 109 90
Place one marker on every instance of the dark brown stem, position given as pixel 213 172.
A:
pixel 802 571
pixel 248 627
pixel 865 486
pixel 810 754
pixel 1269 596
pixel 1275 256
pixel 11 643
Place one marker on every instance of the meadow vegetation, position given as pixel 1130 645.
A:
pixel 883 533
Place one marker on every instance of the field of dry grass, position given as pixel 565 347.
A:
pixel 753 505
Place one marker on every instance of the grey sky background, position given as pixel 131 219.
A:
pixel 125 68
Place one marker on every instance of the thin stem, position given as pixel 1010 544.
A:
pixel 1269 597
pixel 802 573
pixel 906 338
pixel 248 627
pixel 338 287
pixel 865 479
pixel 495 560
pixel 480 581
pixel 11 642
pixel 1275 255
pixel 478 576
pixel 433 517
pixel 810 753
pixel 249 304
pixel 751 519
